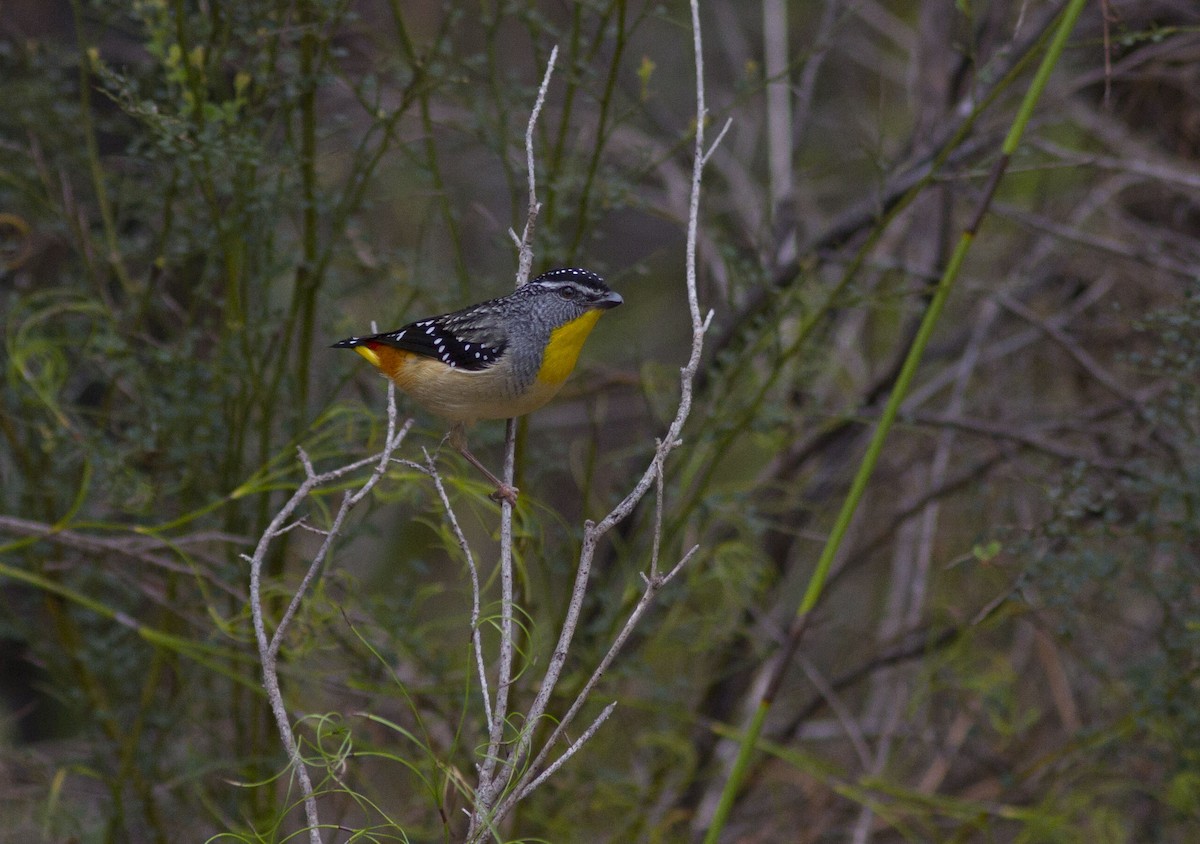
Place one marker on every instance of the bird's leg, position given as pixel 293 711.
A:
pixel 504 492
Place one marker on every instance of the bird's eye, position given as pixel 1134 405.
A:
pixel 568 292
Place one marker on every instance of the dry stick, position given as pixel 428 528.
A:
pixel 658 519
pixel 1133 155
pixel 780 144
pixel 525 242
pixel 140 548
pixel 1144 252
pixel 904 379
pixel 491 781
pixel 593 531
pixel 1005 430
pixel 268 648
pixel 578 743
pixel 841 712
pixel 807 83
pixel 531 778
pixel 1070 346
pixel 914 591
pixel 1000 349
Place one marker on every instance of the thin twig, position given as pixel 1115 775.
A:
pixel 840 711
pixel 127 548
pixel 569 752
pixel 653 585
pixel 525 244
pixel 484 817
pixel 491 781
pixel 348 501
pixel 1069 345
pixel 595 531
pixel 505 678
pixel 476 639
pixel 268 647
pixel 658 521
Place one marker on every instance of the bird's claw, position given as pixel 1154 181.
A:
pixel 504 492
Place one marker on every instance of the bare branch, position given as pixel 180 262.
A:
pixel 570 751
pixel 525 244
pixel 268 647
pixel 720 137
pixel 1074 349
pixel 594 532
pixel 658 519
pixel 491 781
pixel 840 710
pixel 138 547
pixel 535 771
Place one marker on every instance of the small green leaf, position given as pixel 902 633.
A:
pixel 986 552
pixel 644 72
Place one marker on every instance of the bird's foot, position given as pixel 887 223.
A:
pixel 504 492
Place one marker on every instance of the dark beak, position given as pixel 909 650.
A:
pixel 609 300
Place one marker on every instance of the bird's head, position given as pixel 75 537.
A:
pixel 563 295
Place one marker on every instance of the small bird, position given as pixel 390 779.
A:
pixel 495 360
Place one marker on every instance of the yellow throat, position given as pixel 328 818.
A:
pixel 563 349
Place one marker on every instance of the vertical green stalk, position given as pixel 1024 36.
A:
pixel 87 127
pixel 704 462
pixel 581 216
pixel 816 583
pixel 424 87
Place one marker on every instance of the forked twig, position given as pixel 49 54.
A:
pixel 268 646
pixel 519 777
pixel 490 782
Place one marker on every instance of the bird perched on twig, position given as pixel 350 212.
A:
pixel 496 360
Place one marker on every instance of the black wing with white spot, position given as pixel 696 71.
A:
pixel 464 339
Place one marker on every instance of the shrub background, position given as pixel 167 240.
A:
pixel 196 198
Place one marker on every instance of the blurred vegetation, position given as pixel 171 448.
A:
pixel 197 198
